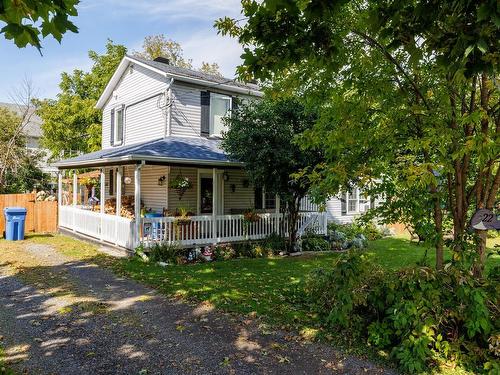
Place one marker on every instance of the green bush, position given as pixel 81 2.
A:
pixel 423 317
pixel 165 252
pixel 314 243
pixel 275 243
pixel 223 251
pixel 356 228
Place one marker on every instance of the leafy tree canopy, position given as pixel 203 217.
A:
pixel 71 122
pixel 27 21
pixel 159 45
pixel 262 134
pixel 402 85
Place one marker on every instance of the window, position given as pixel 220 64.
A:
pixel 355 201
pixel 117 119
pixel 352 201
pixel 269 201
pixel 263 200
pixel 220 107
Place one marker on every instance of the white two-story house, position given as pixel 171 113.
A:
pixel 163 176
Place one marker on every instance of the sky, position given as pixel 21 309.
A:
pixel 127 22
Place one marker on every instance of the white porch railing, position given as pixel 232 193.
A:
pixel 110 228
pixel 197 230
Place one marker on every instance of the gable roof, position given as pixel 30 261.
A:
pixel 180 74
pixel 173 150
pixel 34 126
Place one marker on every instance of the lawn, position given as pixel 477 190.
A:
pixel 262 287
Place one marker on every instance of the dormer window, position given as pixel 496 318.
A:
pixel 117 120
pixel 220 107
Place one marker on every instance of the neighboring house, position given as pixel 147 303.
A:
pixel 347 206
pixel 161 147
pixel 32 130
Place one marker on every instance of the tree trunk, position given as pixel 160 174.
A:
pixel 481 253
pixel 293 211
pixel 438 222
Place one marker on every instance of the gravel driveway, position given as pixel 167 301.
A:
pixel 89 321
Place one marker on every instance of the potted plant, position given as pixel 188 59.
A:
pixel 180 185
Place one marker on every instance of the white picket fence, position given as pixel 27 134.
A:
pixel 109 228
pixel 197 230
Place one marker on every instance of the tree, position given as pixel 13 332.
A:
pixel 12 138
pixel 262 134
pixel 414 80
pixel 158 45
pixel 27 20
pixel 71 123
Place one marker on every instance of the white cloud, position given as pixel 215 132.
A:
pixel 170 10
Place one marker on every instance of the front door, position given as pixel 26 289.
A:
pixel 206 195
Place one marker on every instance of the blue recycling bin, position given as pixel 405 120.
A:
pixel 156 226
pixel 15 218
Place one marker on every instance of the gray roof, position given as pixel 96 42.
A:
pixel 34 127
pixel 195 74
pixel 173 150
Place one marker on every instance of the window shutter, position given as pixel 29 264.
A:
pixel 205 113
pixel 112 132
pixel 343 204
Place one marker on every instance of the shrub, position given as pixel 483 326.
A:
pixel 223 251
pixel 165 252
pixel 422 316
pixel 314 243
pixel 275 243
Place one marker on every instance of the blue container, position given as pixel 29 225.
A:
pixel 156 226
pixel 15 218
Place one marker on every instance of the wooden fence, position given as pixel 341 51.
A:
pixel 41 216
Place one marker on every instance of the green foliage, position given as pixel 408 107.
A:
pixel 424 317
pixel 275 243
pixel 71 122
pixel 159 45
pixel 262 134
pixel 408 98
pixel 314 243
pixel 224 251
pixel 27 176
pixel 161 252
pixel 27 21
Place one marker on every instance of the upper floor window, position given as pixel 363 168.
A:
pixel 220 107
pixel 117 120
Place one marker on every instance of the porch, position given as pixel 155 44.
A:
pixel 147 199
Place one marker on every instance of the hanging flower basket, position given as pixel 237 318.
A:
pixel 180 185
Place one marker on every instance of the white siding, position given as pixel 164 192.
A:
pixel 334 211
pixel 189 199
pixel 242 198
pixel 144 121
pixel 131 88
pixel 186 110
pixel 153 196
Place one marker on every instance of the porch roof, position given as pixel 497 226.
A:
pixel 171 150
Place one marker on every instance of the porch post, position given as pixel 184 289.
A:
pixel 214 204
pixel 276 221
pixel 137 203
pixel 75 197
pixel 118 205
pixel 59 188
pixel 102 200
pixel 119 174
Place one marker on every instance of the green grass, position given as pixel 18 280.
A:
pixel 265 287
